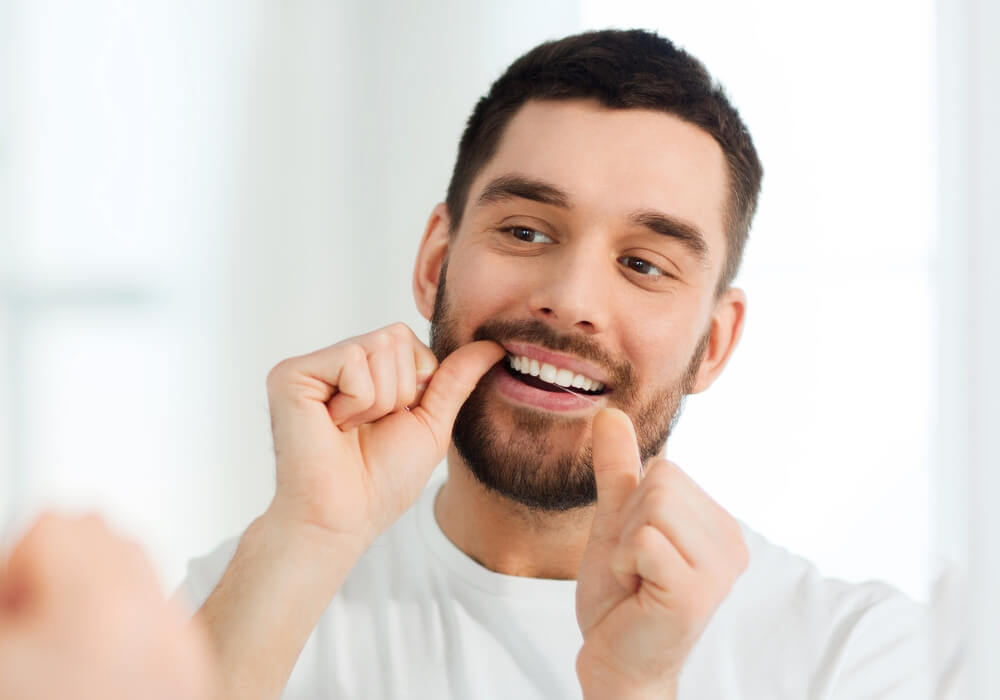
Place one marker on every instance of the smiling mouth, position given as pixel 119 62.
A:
pixel 550 378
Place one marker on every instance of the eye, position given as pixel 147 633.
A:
pixel 527 235
pixel 641 266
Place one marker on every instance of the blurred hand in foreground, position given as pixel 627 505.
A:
pixel 82 616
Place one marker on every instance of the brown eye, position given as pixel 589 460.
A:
pixel 527 235
pixel 641 266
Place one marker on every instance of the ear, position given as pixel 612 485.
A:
pixel 727 327
pixel 431 256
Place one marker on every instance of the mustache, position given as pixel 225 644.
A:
pixel 538 333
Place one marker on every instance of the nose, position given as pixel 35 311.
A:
pixel 572 293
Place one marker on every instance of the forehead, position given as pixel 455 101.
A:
pixel 615 161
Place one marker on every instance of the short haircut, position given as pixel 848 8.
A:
pixel 621 69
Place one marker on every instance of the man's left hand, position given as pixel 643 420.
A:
pixel 662 556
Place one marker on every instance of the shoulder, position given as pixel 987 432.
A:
pixel 781 579
pixel 845 638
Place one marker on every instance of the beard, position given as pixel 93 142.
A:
pixel 522 465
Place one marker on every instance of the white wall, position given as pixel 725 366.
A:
pixel 118 161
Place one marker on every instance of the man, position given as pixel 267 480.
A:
pixel 579 283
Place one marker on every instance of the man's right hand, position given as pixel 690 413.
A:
pixel 350 459
pixel 359 426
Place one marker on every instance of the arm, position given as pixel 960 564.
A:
pixel 264 608
pixel 356 439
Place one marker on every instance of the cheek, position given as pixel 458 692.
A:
pixel 659 350
pixel 480 290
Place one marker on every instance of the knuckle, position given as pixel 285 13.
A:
pixel 645 538
pixel 400 331
pixel 657 499
pixel 658 471
pixel 381 339
pixel 354 354
pixel 274 377
pixel 671 472
pixel 383 404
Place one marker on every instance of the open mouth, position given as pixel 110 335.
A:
pixel 550 378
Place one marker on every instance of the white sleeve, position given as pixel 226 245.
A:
pixel 886 655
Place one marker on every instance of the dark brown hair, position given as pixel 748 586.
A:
pixel 622 69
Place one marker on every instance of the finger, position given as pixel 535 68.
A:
pixel 710 514
pixel 647 555
pixel 355 391
pixel 672 513
pixel 406 376
pixel 382 366
pixel 415 363
pixel 426 364
pixel 616 469
pixel 451 385
pixel 425 361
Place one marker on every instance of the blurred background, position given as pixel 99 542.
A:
pixel 193 191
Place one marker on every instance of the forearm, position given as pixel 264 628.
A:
pixel 600 682
pixel 269 600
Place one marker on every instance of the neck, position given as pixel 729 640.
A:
pixel 505 536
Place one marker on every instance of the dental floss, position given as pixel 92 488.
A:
pixel 570 391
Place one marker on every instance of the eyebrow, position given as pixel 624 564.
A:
pixel 513 186
pixel 688 235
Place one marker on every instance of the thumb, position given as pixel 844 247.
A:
pixel 616 468
pixel 451 384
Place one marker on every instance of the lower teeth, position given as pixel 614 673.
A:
pixel 533 381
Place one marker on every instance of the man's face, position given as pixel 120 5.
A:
pixel 592 243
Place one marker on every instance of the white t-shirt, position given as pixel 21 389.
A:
pixel 417 618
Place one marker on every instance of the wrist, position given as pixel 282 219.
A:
pixel 287 524
pixel 315 552
pixel 598 681
pixel 664 691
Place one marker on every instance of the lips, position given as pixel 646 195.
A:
pixel 559 383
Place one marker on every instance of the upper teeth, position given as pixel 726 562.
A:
pixel 551 374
